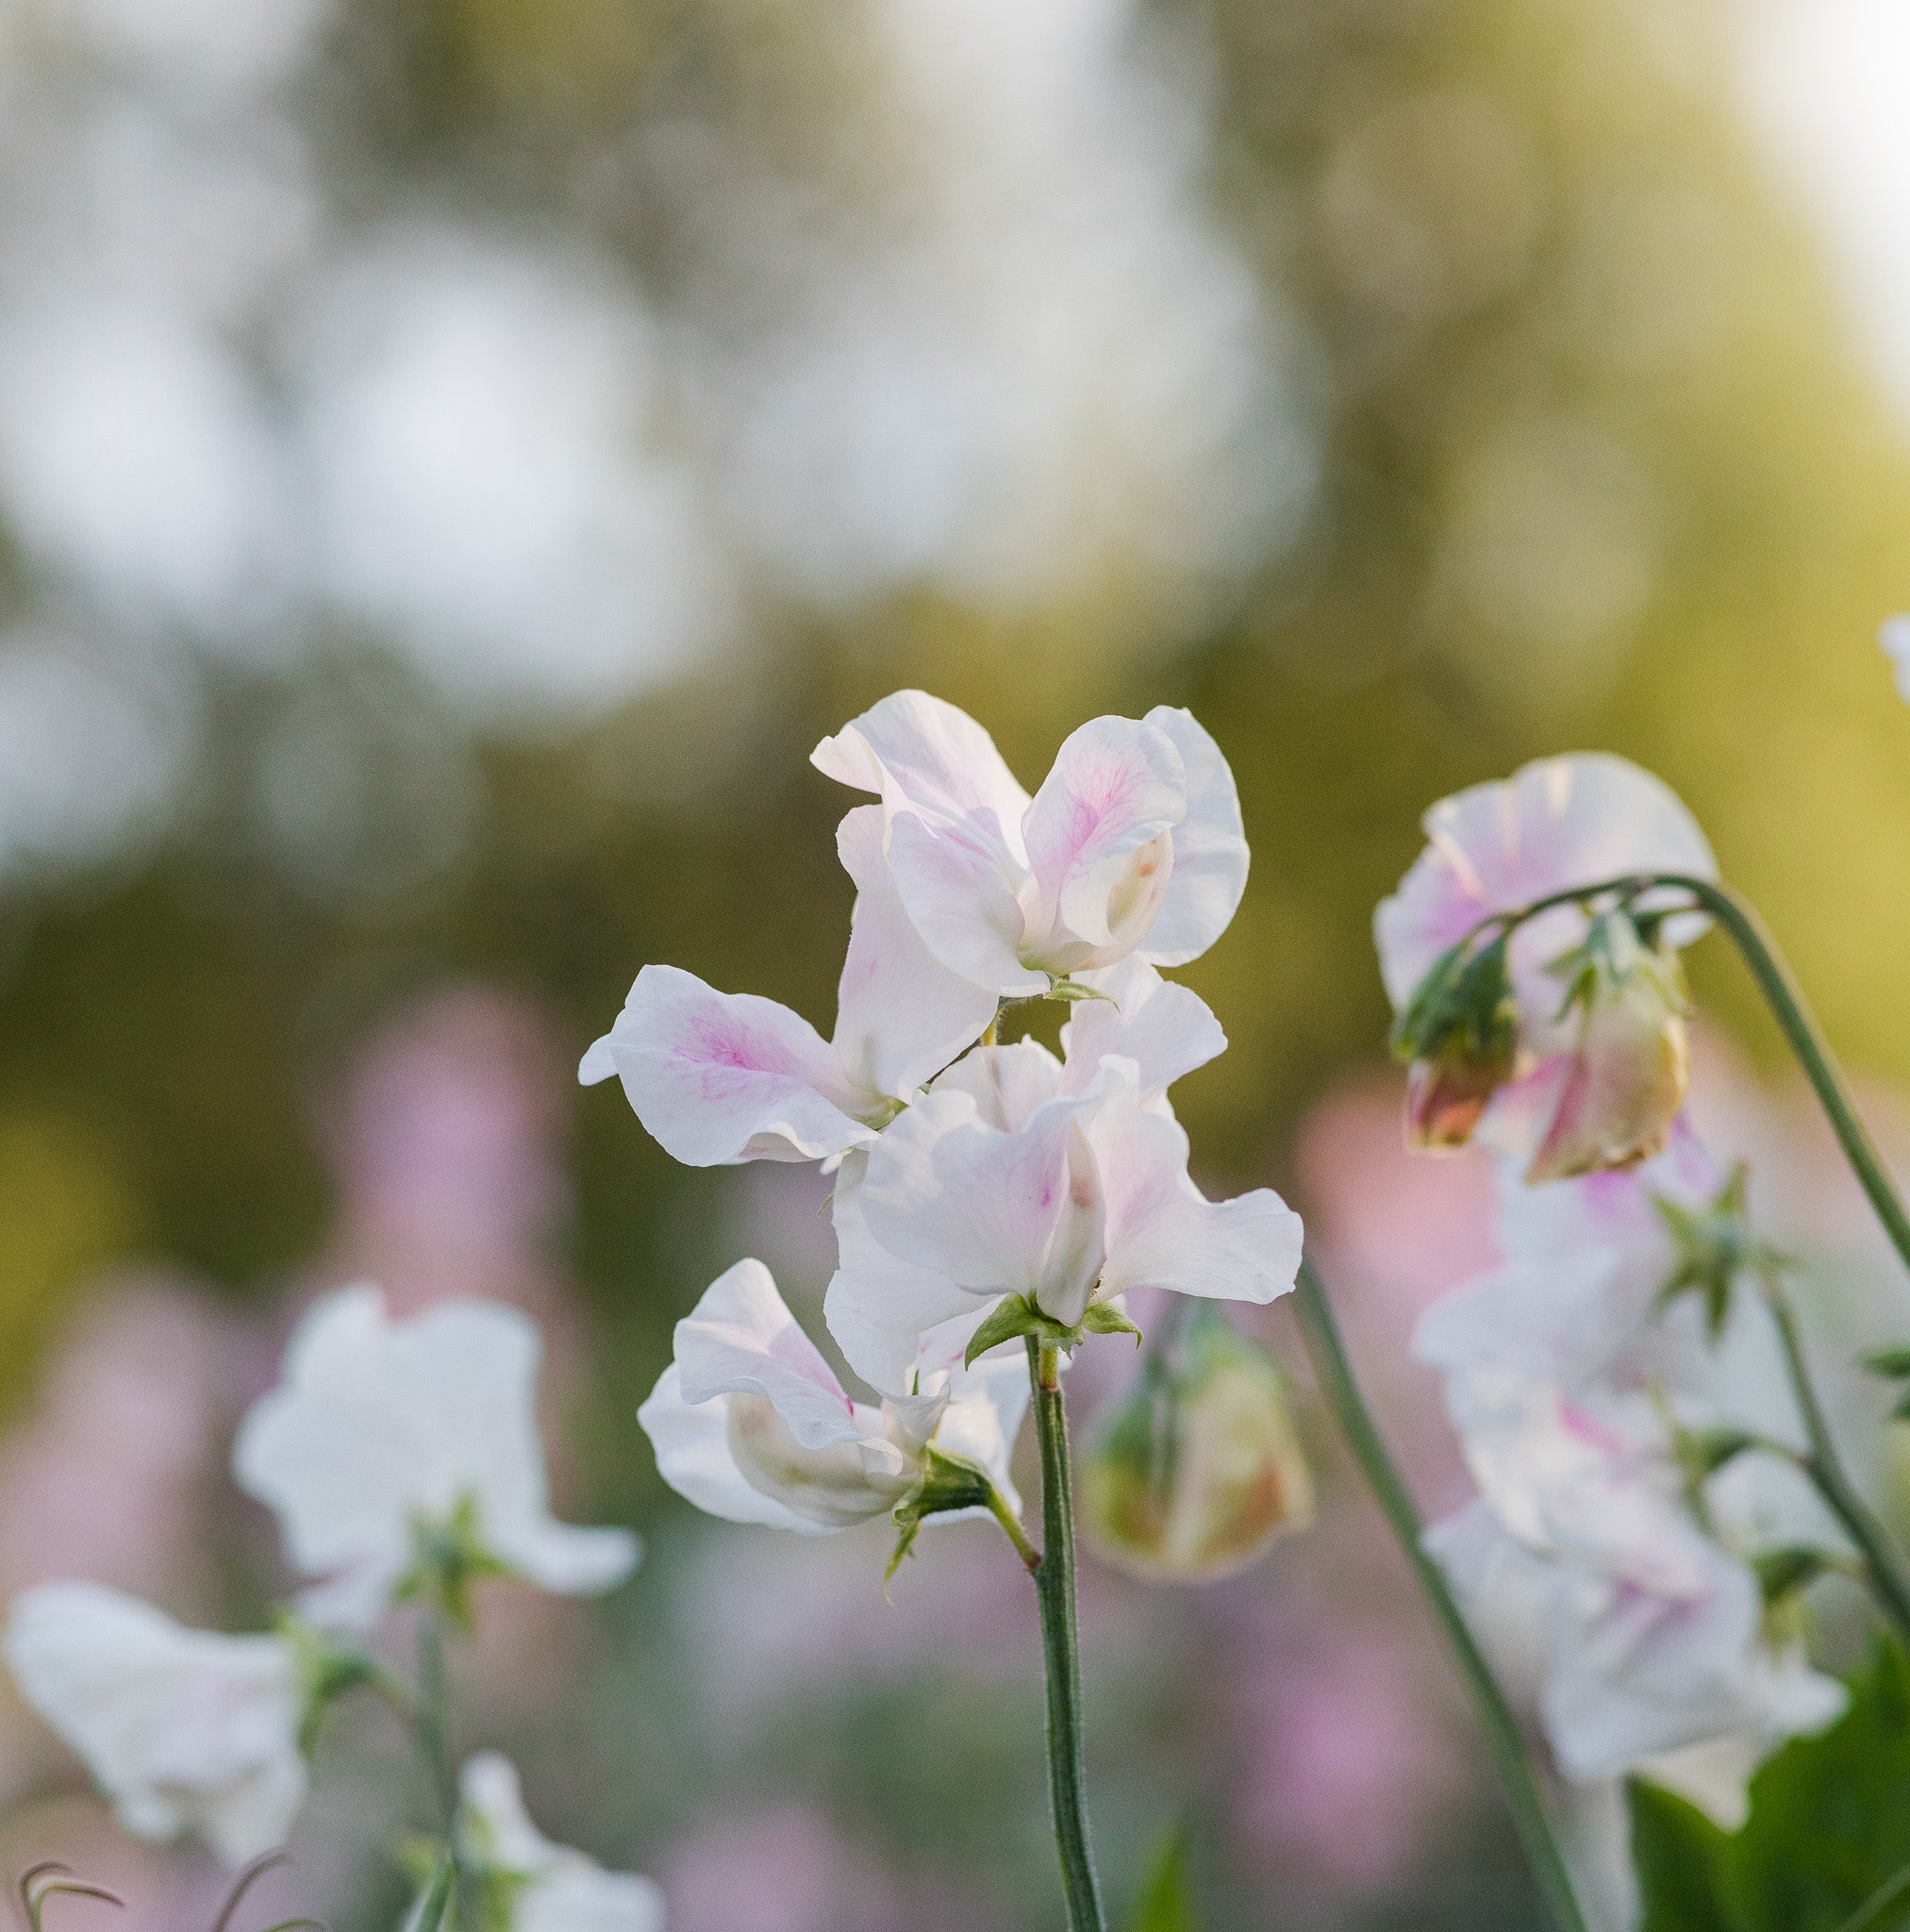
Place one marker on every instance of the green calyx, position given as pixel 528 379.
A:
pixel 1016 1315
pixel 1622 948
pixel 327 1671
pixel 948 1483
pixel 1060 986
pixel 1464 1010
pixel 1716 1246
pixel 450 1558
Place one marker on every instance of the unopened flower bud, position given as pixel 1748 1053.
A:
pixel 1194 1473
pixel 1460 1032
pixel 1630 1066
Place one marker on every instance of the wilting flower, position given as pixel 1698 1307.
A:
pixel 527 1883
pixel 1472 1018
pixel 185 1730
pixel 1642 1656
pixel 1197 1470
pixel 1002 1183
pixel 385 1438
pixel 750 1423
pixel 721 1077
pixel 1132 846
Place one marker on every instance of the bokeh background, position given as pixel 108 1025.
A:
pixel 457 457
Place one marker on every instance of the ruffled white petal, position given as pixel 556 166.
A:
pixel 378 1426
pixel 184 1730
pixel 920 754
pixel 722 1078
pixel 692 1441
pixel 901 1015
pixel 1162 1232
pixel 958 885
pixel 1165 1029
pixel 1210 848
pixel 1007 1083
pixel 1556 824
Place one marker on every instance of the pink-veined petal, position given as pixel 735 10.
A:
pixel 1162 1232
pixel 692 1441
pixel 740 1339
pixel 1097 840
pixel 901 1015
pixel 1210 845
pixel 955 883
pixel 1166 1030
pixel 993 1211
pixel 722 1078
pixel 1555 824
pixel 923 754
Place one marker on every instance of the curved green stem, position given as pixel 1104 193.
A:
pixel 1055 1589
pixel 1884 1907
pixel 1503 1737
pixel 1825 1468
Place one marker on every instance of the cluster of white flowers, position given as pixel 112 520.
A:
pixel 983 1191
pixel 401 1459
pixel 1578 1374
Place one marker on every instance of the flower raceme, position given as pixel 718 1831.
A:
pixel 185 1730
pixel 1132 845
pixel 750 1423
pixel 384 1434
pixel 524 1882
pixel 1568 1026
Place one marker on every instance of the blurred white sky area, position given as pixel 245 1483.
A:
pixel 963 319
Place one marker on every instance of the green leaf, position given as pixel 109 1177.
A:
pixel 1683 1861
pixel 1893 1364
pixel 1782 1572
pixel 1166 1903
pixel 433 1904
pixel 1829 1822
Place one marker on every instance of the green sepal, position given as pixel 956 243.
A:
pixel 431 1909
pixel 1104 1318
pixel 1707 1451
pixel 1901 1412
pixel 1893 1364
pixel 1716 1246
pixel 450 1557
pixel 1465 1004
pixel 1071 990
pixel 325 1674
pixel 1015 1316
pixel 1783 1573
pixel 947 1483
pixel 1166 1900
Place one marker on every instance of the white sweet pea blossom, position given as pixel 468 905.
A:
pixel 1894 635
pixel 1132 846
pixel 1557 823
pixel 750 1423
pixel 381 1430
pixel 896 1320
pixel 1638 1657
pixel 1002 1182
pixel 541 1887
pixel 721 1077
pixel 185 1730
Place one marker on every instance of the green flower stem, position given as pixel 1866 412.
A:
pixel 1784 998
pixel 1011 1524
pixel 1504 1736
pixel 1054 1589
pixel 1825 1468
pixel 1883 1909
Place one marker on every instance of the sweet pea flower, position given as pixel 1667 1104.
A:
pixel 529 1883
pixel 384 1435
pixel 1894 635
pixel 1003 1182
pixel 724 1078
pixel 1607 1040
pixel 185 1730
pixel 1132 846
pixel 750 1423
pixel 895 1320
pixel 1642 1658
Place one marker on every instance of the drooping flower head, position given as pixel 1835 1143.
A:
pixel 1587 998
pixel 1133 844
pixel 527 1883
pixel 185 1730
pixel 750 1423
pixel 384 1437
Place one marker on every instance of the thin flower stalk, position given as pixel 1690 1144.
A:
pixel 1504 1738
pixel 1055 1587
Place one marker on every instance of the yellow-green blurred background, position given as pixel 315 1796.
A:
pixel 455 458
